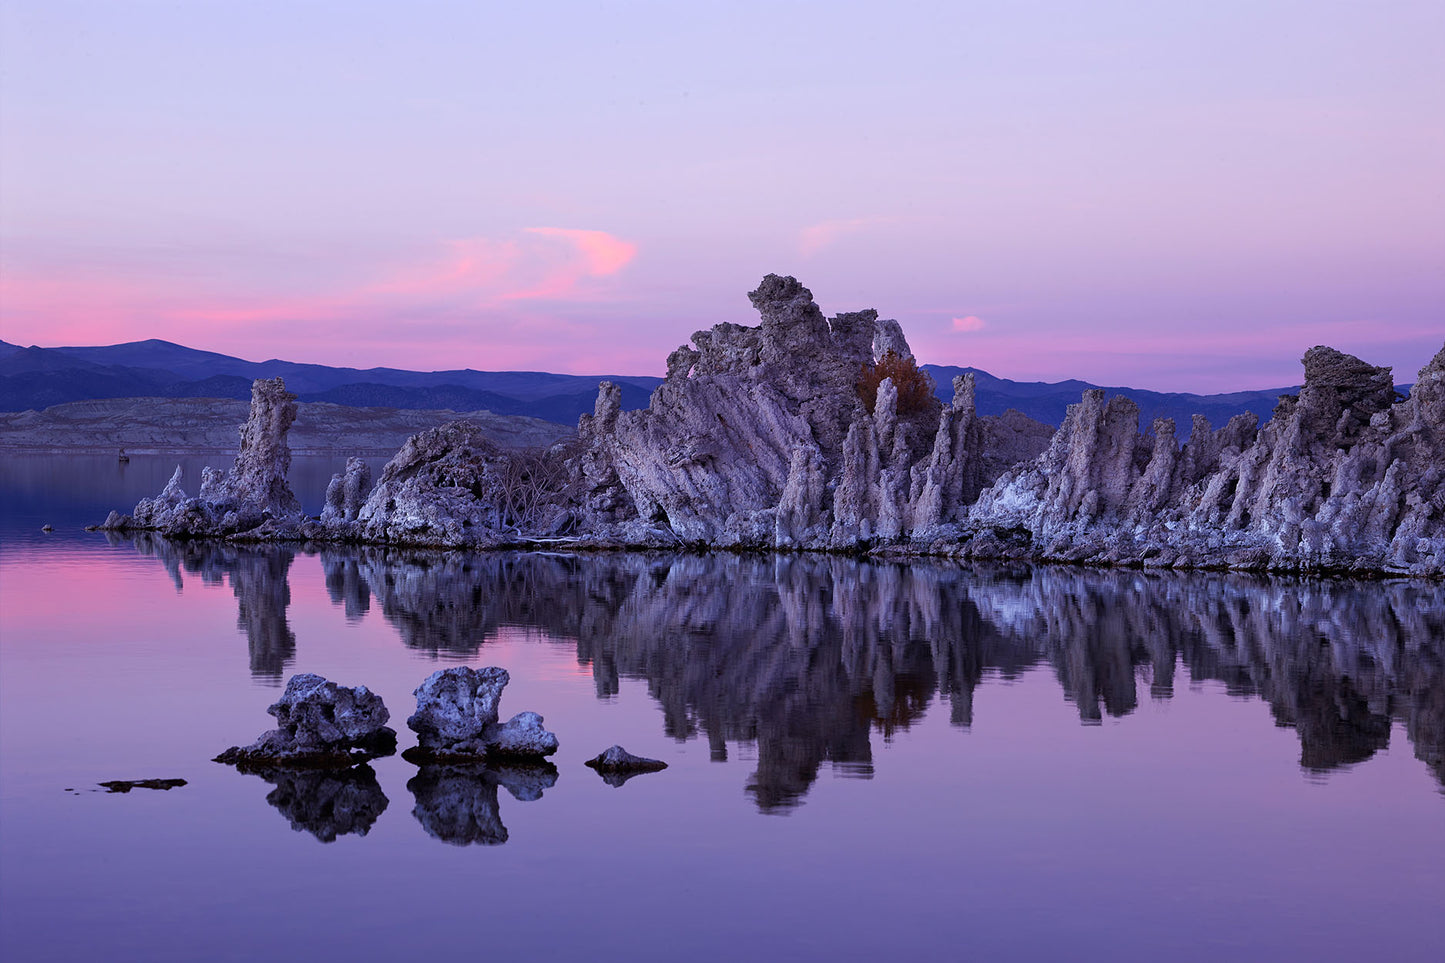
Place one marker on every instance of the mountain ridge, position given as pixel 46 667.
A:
pixel 33 378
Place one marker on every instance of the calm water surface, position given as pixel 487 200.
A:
pixel 867 761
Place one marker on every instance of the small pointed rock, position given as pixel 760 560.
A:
pixel 618 759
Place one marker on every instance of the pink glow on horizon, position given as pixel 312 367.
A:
pixel 484 301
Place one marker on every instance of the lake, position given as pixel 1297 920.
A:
pixel 866 761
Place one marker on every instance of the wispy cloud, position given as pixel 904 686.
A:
pixel 474 285
pixel 604 253
pixel 968 323
pixel 816 237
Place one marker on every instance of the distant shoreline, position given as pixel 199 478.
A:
pixel 208 426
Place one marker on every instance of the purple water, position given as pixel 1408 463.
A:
pixel 866 761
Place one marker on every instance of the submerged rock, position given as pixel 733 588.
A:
pixel 456 720
pixel 616 765
pixel 126 785
pixel 321 724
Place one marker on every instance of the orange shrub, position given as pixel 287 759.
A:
pixel 915 388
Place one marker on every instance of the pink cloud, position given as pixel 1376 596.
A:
pixel 816 237
pixel 482 299
pixel 603 253
pixel 545 263
pixel 968 323
pixel 469 264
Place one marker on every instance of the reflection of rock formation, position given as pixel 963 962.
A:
pixel 344 583
pixel 327 803
pixel 458 804
pixel 262 595
pixel 259 579
pixel 805 655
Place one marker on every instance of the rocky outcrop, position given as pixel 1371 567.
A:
pixel 1344 477
pixel 808 433
pixel 346 493
pixel 759 438
pixel 252 498
pixel 451 487
pixel 319 724
pixel 456 720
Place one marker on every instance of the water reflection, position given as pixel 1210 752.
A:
pixel 259 579
pixel 458 804
pixel 807 657
pixel 326 803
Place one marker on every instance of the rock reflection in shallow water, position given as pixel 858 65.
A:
pixel 344 583
pixel 259 577
pixel 327 803
pixel 458 804
pixel 807 656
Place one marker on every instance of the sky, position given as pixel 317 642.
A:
pixel 1176 196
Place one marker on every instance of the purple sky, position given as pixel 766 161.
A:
pixel 1179 195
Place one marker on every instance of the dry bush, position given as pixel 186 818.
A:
pixel 535 486
pixel 915 388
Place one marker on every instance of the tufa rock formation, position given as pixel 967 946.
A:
pixel 820 434
pixel 456 720
pixel 1344 477
pixel 251 499
pixel 320 725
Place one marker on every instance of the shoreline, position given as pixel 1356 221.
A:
pixel 885 553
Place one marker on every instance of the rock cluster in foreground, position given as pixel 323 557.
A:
pixel 765 438
pixel 316 760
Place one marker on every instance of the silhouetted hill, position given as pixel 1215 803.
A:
pixel 36 378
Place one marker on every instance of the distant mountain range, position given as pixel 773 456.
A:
pixel 36 378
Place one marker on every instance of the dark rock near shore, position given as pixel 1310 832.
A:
pixel 321 725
